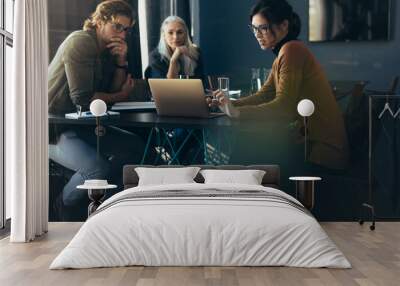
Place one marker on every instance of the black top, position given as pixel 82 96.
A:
pixel 159 65
pixel 286 39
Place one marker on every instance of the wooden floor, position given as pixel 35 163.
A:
pixel 375 257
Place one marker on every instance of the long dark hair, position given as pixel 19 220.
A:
pixel 277 11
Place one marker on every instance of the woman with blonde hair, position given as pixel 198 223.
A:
pixel 175 54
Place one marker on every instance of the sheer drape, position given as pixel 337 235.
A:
pixel 27 123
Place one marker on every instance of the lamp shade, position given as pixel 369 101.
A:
pixel 98 107
pixel 305 107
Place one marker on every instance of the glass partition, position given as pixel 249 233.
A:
pixel 8 89
pixel 9 15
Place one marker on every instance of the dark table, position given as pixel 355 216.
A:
pixel 147 119
pixel 158 125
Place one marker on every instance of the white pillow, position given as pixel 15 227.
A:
pixel 248 177
pixel 166 176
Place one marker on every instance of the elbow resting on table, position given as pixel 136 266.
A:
pixel 81 98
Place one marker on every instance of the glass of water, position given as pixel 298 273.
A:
pixel 255 80
pixel 223 85
pixel 78 110
pixel 265 74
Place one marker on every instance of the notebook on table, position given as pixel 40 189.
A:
pixel 88 114
pixel 134 106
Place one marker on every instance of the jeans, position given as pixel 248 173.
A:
pixel 76 150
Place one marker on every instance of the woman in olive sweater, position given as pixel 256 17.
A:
pixel 91 64
pixel 295 75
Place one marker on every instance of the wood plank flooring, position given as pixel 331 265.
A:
pixel 375 257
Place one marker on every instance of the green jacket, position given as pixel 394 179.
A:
pixel 76 72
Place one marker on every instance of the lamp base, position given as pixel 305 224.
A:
pixel 96 196
pixel 100 131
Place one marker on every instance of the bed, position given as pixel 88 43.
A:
pixel 198 224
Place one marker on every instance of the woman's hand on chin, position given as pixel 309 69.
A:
pixel 175 56
pixel 182 50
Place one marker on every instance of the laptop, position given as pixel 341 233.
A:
pixel 180 97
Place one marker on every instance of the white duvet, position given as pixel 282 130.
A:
pixel 200 231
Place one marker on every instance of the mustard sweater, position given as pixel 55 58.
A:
pixel 297 75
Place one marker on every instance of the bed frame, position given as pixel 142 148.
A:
pixel 270 179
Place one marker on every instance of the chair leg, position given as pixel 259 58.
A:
pixel 372 210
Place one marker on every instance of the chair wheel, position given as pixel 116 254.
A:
pixel 361 222
pixel 372 227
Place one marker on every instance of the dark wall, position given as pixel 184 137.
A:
pixel 230 48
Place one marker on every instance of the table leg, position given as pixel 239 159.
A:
pixel 205 153
pixel 146 149
pixel 305 193
pixel 218 146
pixel 200 149
pixel 175 154
pixel 96 196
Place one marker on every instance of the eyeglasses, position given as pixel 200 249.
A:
pixel 121 28
pixel 263 29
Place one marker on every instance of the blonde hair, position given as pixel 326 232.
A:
pixel 107 11
pixel 166 52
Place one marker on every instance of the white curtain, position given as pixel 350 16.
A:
pixel 27 123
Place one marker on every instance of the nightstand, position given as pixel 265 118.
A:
pixel 305 190
pixel 96 191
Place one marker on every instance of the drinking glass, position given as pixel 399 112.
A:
pixel 78 110
pixel 223 85
pixel 255 80
pixel 265 74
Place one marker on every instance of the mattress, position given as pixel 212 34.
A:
pixel 201 225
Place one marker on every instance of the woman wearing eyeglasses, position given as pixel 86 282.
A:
pixel 91 64
pixel 296 75
pixel 175 54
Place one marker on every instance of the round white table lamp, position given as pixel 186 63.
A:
pixel 98 107
pixel 305 108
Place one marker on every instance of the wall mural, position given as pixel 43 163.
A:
pixel 288 113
